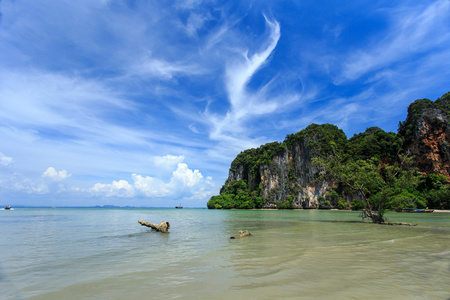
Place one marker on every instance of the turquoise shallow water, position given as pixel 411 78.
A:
pixel 89 253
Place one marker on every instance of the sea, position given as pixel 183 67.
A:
pixel 104 253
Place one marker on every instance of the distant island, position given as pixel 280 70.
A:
pixel 319 168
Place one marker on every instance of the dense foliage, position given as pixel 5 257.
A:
pixel 370 167
pixel 236 195
pixel 377 184
pixel 381 177
pixel 323 139
pixel 373 143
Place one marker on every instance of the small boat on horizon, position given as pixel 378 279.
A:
pixel 414 210
pixel 7 207
pixel 179 206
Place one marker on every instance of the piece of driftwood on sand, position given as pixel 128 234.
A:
pixel 162 227
pixel 241 234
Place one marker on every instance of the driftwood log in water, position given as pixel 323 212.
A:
pixel 241 234
pixel 163 226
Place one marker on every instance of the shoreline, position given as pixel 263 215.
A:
pixel 332 209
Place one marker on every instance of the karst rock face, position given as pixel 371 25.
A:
pixel 274 181
pixel 288 173
pixel 427 134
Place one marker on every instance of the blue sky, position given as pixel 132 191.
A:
pixel 146 103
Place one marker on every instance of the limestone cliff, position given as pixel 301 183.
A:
pixel 427 135
pixel 285 172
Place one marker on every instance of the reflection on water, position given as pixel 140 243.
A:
pixel 106 254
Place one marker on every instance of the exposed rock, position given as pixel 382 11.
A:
pixel 276 185
pixel 427 134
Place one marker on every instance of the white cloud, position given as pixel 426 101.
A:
pixel 216 36
pixel 193 128
pixel 16 184
pixel 164 165
pixel 195 22
pixel 184 183
pixel 167 161
pixel 185 177
pixel 119 188
pixel 30 187
pixel 162 69
pixel 150 186
pixel 5 160
pixel 56 175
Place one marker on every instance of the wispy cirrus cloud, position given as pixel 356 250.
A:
pixel 62 106
pixel 5 160
pixel 162 70
pixel 412 31
pixel 239 72
pixel 246 104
